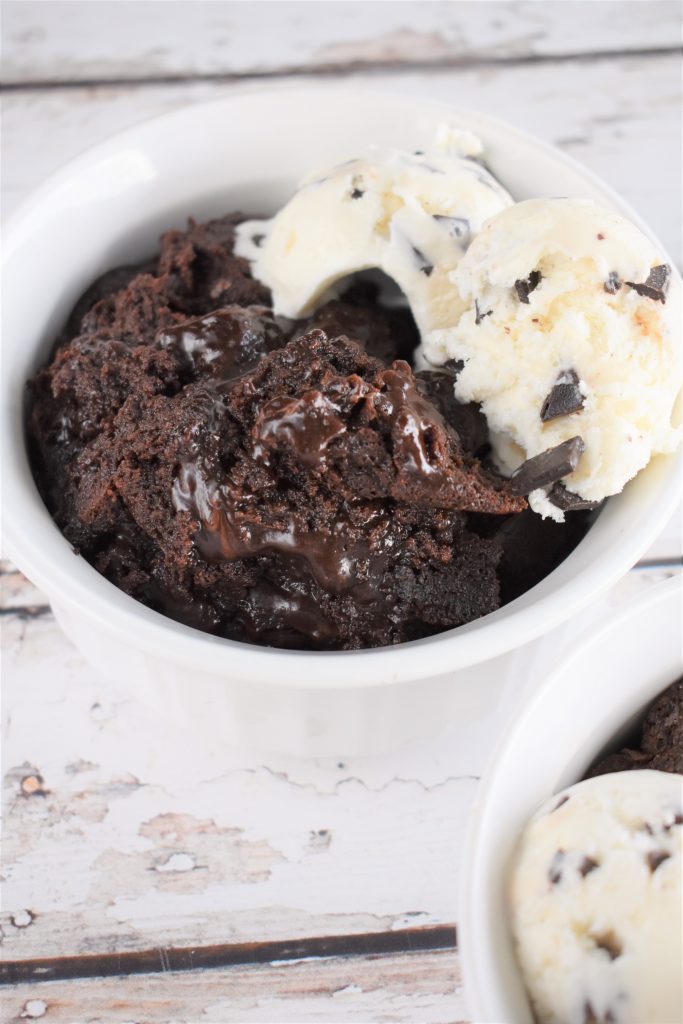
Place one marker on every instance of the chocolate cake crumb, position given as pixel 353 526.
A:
pixel 658 744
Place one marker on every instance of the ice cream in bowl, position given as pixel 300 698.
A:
pixel 403 421
pixel 572 902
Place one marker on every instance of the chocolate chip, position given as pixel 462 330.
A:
pixel 555 869
pixel 560 803
pixel 655 285
pixel 590 1016
pixel 258 240
pixel 610 943
pixel 655 858
pixel 458 227
pixel 587 865
pixel 424 266
pixel 613 283
pixel 525 288
pixel 357 193
pixel 676 820
pixel 568 501
pixel 601 237
pixel 454 366
pixel 565 397
pixel 548 467
pixel 478 315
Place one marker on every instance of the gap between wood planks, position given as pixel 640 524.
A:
pixel 162 960
pixel 465 62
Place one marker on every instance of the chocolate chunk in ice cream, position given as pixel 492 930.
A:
pixel 613 283
pixel 655 285
pixel 565 397
pixel 480 314
pixel 550 466
pixel 526 287
pixel 568 501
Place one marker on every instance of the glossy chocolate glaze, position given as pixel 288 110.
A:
pixel 226 343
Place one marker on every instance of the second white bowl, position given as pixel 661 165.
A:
pixel 586 707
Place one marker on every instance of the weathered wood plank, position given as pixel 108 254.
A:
pixel 406 987
pixel 122 828
pixel 16 591
pixel 175 959
pixel 76 41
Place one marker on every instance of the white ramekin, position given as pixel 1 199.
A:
pixel 108 207
pixel 581 711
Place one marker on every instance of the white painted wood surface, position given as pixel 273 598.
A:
pixel 76 40
pixel 120 833
pixel 409 988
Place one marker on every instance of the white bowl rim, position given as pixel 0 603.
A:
pixel 470 879
pixel 43 555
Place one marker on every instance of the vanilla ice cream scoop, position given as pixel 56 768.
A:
pixel 411 215
pixel 595 902
pixel 571 338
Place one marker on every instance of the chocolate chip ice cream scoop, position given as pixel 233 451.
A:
pixel 596 903
pixel 572 328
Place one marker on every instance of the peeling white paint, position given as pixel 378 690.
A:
pixel 177 862
pixel 22 919
pixel 34 1008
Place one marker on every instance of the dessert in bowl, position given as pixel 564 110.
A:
pixel 133 189
pixel 571 884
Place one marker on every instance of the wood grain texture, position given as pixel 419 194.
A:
pixel 175 959
pixel 81 40
pixel 408 987
pixel 125 830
